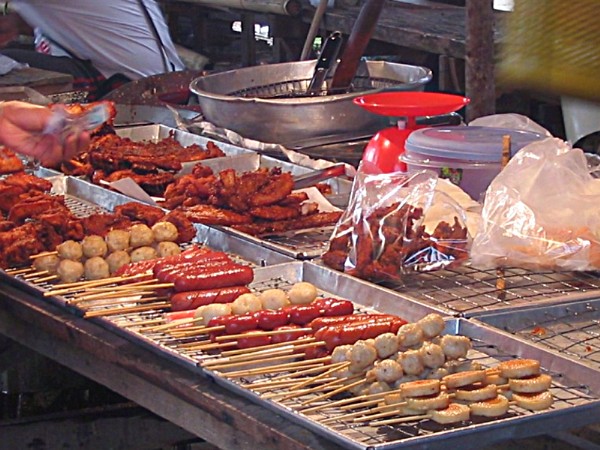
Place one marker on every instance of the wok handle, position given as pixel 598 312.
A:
pixel 357 43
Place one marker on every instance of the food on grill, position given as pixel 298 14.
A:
pixel 534 402
pixel 167 248
pixel 9 162
pixel 476 392
pixel 70 271
pixel 152 165
pixel 466 378
pixel 117 259
pixel 453 413
pixel 519 368
pixel 164 231
pixel 275 299
pixel 190 300
pixel 70 250
pixel 94 245
pixel 96 268
pixel 46 263
pixel 530 385
pixel 143 253
pixel 494 407
pixel 117 240
pixel 246 303
pixel 257 202
pixel 140 212
pixel 302 293
pixel 140 235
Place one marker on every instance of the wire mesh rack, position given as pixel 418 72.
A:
pixel 467 291
pixel 567 389
pixel 572 329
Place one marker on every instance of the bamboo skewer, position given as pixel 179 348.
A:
pixel 332 393
pixel 174 323
pixel 280 368
pixel 335 384
pixel 125 310
pixel 97 290
pixel 14 272
pixel 280 384
pixel 66 288
pixel 39 273
pixel 45 279
pixel 273 358
pixel 39 255
pixel 121 301
pixel 229 337
pixel 337 367
pixel 106 295
pixel 308 342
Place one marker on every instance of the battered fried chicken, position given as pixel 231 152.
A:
pixel 300 223
pixel 211 215
pixel 33 207
pixel 9 161
pixel 27 182
pixel 152 183
pixel 18 244
pixel 101 224
pixel 140 212
pixel 185 228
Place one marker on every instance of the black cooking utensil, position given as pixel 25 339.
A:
pixel 327 58
pixel 357 43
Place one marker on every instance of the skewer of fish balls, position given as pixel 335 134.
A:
pixel 96 257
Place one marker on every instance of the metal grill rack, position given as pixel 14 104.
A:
pixel 573 329
pixel 467 291
pixel 570 396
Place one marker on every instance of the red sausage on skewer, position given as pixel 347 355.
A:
pixel 232 275
pixel 193 299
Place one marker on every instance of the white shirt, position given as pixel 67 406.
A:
pixel 113 34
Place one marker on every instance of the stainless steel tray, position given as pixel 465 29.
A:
pixel 467 292
pixel 157 132
pixel 571 329
pixel 84 198
pixel 575 390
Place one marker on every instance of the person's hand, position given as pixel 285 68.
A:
pixel 21 130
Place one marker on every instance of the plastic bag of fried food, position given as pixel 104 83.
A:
pixel 397 223
pixel 541 212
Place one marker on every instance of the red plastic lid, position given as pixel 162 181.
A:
pixel 403 103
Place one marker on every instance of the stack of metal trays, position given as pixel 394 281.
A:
pixel 301 244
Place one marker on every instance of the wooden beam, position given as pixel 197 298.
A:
pixel 479 59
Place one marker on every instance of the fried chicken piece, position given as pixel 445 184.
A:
pixel 79 166
pixel 336 259
pixel 185 228
pixel 18 244
pixel 211 215
pixel 275 212
pixel 28 182
pixel 101 224
pixel 33 207
pixel 140 212
pixel 294 199
pixel 152 183
pixel 313 221
pixel 9 161
pixel 6 225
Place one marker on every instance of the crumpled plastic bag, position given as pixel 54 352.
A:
pixel 397 223
pixel 510 121
pixel 541 212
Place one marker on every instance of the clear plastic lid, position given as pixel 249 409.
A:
pixel 482 144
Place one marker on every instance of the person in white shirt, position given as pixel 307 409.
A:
pixel 97 41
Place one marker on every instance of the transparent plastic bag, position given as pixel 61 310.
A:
pixel 397 223
pixel 541 212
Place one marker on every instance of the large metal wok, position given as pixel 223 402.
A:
pixel 266 103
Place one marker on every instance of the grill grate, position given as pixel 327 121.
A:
pixel 467 291
pixel 573 330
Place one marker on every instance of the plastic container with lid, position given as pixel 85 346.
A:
pixel 470 157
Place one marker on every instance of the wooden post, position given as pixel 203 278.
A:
pixel 479 58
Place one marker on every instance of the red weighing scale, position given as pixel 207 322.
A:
pixel 385 148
